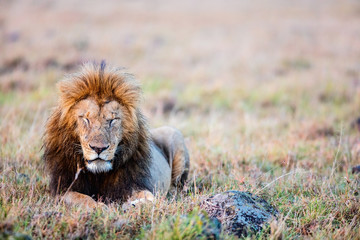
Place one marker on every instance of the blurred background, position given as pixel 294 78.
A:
pixel 277 59
pixel 265 92
pixel 208 44
pixel 230 74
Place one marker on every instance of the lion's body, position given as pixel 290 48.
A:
pixel 169 158
pixel 99 132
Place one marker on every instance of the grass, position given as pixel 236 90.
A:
pixel 265 106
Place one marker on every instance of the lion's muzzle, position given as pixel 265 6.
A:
pixel 99 149
pixel 98 159
pixel 99 165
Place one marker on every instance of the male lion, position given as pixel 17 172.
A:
pixel 97 145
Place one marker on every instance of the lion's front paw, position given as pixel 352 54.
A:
pixel 142 196
pixel 137 199
pixel 82 200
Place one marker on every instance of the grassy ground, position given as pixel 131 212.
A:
pixel 265 94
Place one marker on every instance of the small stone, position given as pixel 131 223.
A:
pixel 356 169
pixel 211 227
pixel 240 213
pixel 194 225
pixel 22 177
pixel 119 223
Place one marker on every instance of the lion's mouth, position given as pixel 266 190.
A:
pixel 98 160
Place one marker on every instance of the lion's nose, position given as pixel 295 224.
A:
pixel 98 149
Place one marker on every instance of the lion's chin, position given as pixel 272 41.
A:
pixel 99 165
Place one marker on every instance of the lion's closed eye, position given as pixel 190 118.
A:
pixel 112 121
pixel 86 121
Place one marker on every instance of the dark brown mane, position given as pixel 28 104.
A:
pixel 62 151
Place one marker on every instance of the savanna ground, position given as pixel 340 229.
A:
pixel 265 93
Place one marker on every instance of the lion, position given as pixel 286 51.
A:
pixel 98 147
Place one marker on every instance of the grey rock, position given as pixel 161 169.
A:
pixel 14 236
pixel 22 177
pixel 210 227
pixel 194 225
pixel 356 169
pixel 240 213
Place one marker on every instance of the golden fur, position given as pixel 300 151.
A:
pixel 70 130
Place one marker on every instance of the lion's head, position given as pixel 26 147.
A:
pixel 96 126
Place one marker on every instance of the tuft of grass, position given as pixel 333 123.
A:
pixel 265 107
pixel 194 225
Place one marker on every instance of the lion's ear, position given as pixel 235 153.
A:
pixel 66 97
pixel 129 94
pixel 71 89
pixel 64 88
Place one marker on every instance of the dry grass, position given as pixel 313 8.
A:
pixel 265 93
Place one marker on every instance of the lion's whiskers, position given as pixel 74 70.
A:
pixel 78 148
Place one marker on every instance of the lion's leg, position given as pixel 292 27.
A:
pixel 138 197
pixel 172 143
pixel 79 199
pixel 142 196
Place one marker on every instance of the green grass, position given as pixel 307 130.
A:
pixel 266 106
pixel 302 172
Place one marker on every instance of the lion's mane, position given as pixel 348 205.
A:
pixel 62 152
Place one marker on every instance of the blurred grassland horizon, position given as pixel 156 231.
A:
pixel 265 92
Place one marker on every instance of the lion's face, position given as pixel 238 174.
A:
pixel 100 132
